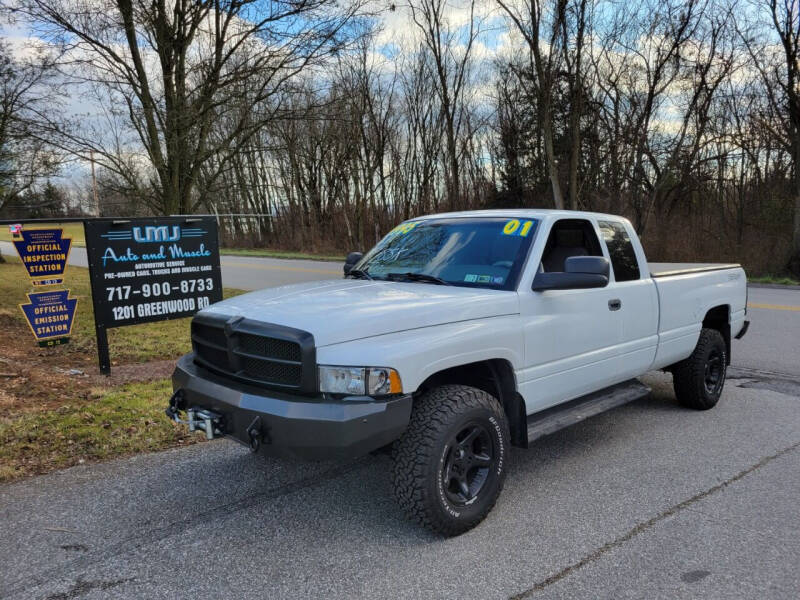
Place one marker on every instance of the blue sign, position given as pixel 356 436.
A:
pixel 44 252
pixel 50 314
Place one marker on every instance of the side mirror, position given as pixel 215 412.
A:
pixel 581 272
pixel 351 261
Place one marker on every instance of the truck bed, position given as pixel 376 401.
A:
pixel 670 269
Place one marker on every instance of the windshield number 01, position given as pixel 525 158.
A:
pixel 513 228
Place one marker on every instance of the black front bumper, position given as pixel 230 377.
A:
pixel 309 427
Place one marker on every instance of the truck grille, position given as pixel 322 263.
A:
pixel 255 352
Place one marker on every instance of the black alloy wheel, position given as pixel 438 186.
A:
pixel 714 372
pixel 469 457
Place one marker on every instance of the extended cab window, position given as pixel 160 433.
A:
pixel 569 237
pixel 620 249
pixel 467 252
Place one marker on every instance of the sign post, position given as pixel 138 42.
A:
pixel 151 269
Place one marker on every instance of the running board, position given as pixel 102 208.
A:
pixel 563 415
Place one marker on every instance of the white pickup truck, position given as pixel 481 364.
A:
pixel 456 336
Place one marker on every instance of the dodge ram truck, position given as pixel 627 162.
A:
pixel 455 337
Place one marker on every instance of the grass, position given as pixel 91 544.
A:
pixel 281 254
pixel 50 419
pixel 108 423
pixel 74 230
pixel 778 279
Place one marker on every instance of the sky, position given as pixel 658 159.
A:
pixel 397 35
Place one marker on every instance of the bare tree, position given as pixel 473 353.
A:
pixel 178 67
pixel 573 39
pixel 29 102
pixel 544 36
pixel 780 75
pixel 451 53
pixel 658 109
pixel 424 124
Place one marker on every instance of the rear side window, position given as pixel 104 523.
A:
pixel 620 249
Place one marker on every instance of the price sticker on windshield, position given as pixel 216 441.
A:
pixel 517 227
pixel 403 228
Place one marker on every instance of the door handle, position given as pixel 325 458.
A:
pixel 614 304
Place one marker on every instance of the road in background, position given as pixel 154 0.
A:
pixel 773 341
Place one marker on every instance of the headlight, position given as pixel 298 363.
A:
pixel 359 381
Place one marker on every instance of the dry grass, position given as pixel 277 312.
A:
pixel 87 426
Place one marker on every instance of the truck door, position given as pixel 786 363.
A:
pixel 571 336
pixel 635 297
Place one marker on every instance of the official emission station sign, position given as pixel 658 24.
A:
pixel 44 253
pixel 50 316
pixel 146 270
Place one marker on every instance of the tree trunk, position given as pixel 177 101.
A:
pixel 575 154
pixel 552 163
pixel 794 259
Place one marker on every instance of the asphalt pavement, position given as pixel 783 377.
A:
pixel 646 501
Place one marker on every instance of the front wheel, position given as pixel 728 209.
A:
pixel 699 379
pixel 450 463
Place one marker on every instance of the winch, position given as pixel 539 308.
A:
pixel 198 419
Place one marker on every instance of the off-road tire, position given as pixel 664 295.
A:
pixel 422 456
pixel 691 377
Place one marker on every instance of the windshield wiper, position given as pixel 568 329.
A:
pixel 359 274
pixel 417 277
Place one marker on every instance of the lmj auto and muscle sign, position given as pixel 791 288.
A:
pixel 152 269
pixel 141 270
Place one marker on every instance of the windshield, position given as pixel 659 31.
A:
pixel 467 252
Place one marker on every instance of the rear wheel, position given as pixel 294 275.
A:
pixel 698 380
pixel 450 464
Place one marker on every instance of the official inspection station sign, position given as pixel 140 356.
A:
pixel 152 269
pixel 44 252
pixel 50 316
